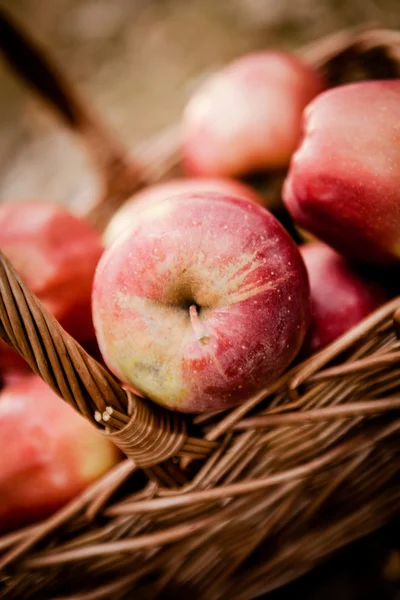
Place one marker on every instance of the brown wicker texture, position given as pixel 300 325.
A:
pixel 223 505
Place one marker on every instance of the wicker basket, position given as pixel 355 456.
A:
pixel 223 505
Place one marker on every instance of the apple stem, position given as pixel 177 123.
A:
pixel 199 330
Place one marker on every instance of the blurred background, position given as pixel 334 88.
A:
pixel 137 61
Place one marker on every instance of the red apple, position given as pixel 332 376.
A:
pixel 340 295
pixel 11 361
pixel 125 216
pixel 202 303
pixel 48 452
pixel 247 117
pixel 343 183
pixel 15 376
pixel 56 255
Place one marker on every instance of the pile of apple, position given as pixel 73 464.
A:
pixel 202 298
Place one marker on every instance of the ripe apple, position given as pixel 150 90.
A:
pixel 125 216
pixel 202 303
pixel 48 452
pixel 56 254
pixel 341 296
pixel 247 117
pixel 11 361
pixel 343 183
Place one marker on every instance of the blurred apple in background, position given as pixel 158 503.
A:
pixel 48 452
pixel 202 303
pixel 344 180
pixel 56 254
pixel 341 296
pixel 125 216
pixel 247 117
pixel 11 361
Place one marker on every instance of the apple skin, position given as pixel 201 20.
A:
pixel 11 361
pixel 230 258
pixel 340 295
pixel 247 117
pixel 56 254
pixel 125 216
pixel 343 183
pixel 49 452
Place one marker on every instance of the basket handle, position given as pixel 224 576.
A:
pixel 146 433
pixel 120 175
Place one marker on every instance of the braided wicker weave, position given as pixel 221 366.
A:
pixel 223 505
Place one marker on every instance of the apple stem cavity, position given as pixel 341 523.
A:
pixel 198 328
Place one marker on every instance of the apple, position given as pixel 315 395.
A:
pixel 343 182
pixel 247 117
pixel 125 216
pixel 49 453
pixel 11 361
pixel 202 302
pixel 341 295
pixel 56 254
pixel 13 376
